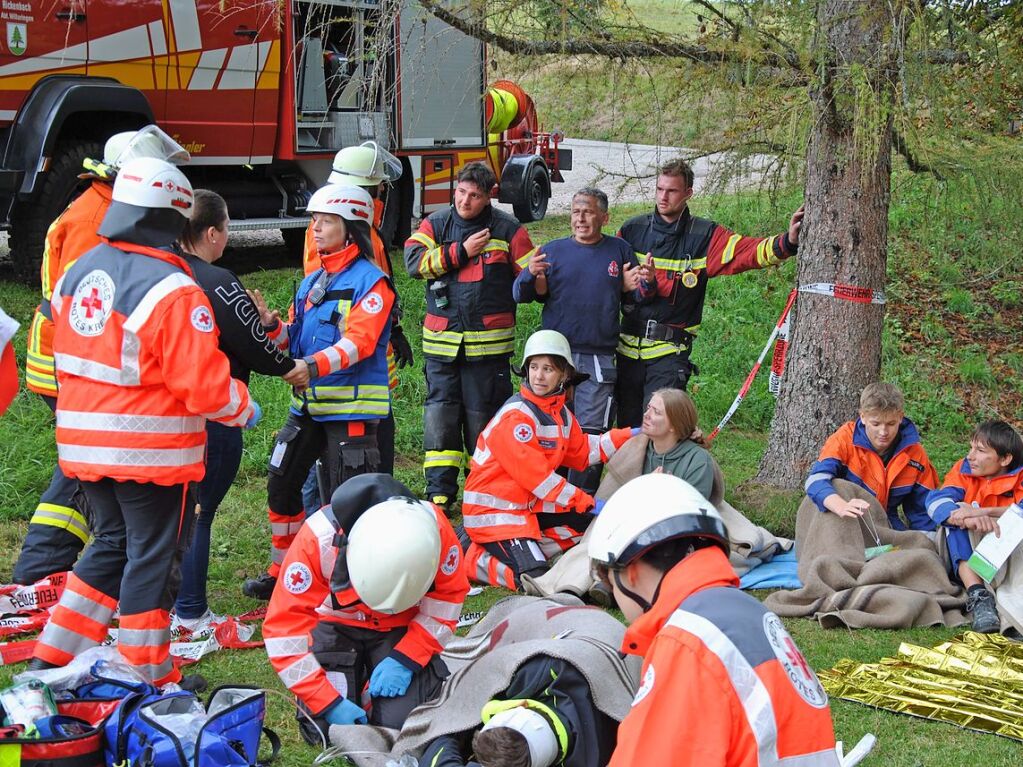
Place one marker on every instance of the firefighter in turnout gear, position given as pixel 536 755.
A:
pixel 517 510
pixel 680 252
pixel 59 528
pixel 131 417
pixel 341 321
pixel 369 595
pixel 370 167
pixel 469 255
pixel 662 550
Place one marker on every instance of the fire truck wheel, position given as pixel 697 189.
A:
pixel 30 219
pixel 535 196
pixel 294 242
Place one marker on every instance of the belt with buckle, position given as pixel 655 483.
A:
pixel 658 331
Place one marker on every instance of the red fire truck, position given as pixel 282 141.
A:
pixel 262 93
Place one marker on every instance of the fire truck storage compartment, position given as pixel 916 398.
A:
pixel 340 87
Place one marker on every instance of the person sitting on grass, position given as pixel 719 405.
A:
pixel 975 493
pixel 881 452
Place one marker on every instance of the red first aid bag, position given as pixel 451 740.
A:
pixel 85 750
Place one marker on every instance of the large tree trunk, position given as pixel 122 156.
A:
pixel 836 344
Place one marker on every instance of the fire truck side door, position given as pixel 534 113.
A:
pixel 441 100
pixel 128 42
pixel 210 107
pixel 40 38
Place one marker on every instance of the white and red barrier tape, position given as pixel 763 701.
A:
pixel 852 293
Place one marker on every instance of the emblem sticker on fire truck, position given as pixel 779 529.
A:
pixel 92 303
pixel 297 578
pixel 523 432
pixel 796 668
pixel 202 319
pixel 17 35
pixel 373 303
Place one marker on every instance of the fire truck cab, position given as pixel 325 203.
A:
pixel 262 93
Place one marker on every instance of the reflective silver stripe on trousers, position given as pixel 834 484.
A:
pixel 280 647
pixel 491 501
pixel 816 478
pixel 154 672
pixel 491 520
pixel 147 424
pixel 143 637
pixel 122 456
pixel 285 528
pixel 65 640
pixel 298 671
pixel 87 608
pixel 63 520
pixel 277 555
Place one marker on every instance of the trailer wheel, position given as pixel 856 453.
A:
pixel 535 196
pixel 31 219
pixel 294 242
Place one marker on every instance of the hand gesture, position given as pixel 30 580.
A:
pixel 266 317
pixel 538 263
pixel 982 524
pixel 963 512
pixel 852 508
pixel 298 376
pixel 474 245
pixel 647 270
pixel 795 224
pixel 630 277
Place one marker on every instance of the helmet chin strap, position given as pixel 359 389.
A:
pixel 644 604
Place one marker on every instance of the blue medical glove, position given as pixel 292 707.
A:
pixel 389 679
pixel 256 417
pixel 345 712
pixel 598 506
pixel 637 430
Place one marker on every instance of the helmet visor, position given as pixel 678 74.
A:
pixel 386 166
pixel 150 141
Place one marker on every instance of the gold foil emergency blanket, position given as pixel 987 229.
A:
pixel 974 681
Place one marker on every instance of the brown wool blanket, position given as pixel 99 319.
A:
pixel 483 662
pixel 899 589
pixel 750 544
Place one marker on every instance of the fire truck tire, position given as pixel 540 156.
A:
pixel 31 219
pixel 294 242
pixel 533 206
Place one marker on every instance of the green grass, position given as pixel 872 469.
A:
pixel 928 352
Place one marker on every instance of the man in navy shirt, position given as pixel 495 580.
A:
pixel 581 281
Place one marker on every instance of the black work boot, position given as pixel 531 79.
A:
pixel 981 603
pixel 260 587
pixel 193 683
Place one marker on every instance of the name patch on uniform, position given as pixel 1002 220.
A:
pixel 450 561
pixel 796 668
pixel 92 303
pixel 523 432
pixel 202 319
pixel 372 303
pixel 916 465
pixel 646 687
pixel 548 444
pixel 297 578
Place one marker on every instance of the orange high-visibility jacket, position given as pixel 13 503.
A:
pixel 69 236
pixel 722 683
pixel 512 473
pixel 139 368
pixel 961 486
pixel 303 598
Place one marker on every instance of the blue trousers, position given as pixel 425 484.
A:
pixel 223 457
pixel 959 547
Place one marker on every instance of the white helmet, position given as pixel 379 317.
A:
pixel 540 737
pixel 155 184
pixel 393 554
pixel 150 141
pixel 549 342
pixel 352 203
pixel 650 510
pixel 365 165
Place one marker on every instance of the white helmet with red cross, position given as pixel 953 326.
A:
pixel 352 203
pixel 153 184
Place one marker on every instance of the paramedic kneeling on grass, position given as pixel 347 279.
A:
pixel 370 592
pixel 722 683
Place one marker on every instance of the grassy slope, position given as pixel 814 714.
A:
pixel 945 346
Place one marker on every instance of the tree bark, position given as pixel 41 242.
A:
pixel 836 344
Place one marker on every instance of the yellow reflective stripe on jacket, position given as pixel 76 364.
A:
pixel 442 343
pixel 64 517
pixel 523 261
pixel 729 252
pixel 485 336
pixel 678 264
pixel 765 252
pixel 370 400
pixel 369 409
pixel 431 263
pixel 636 348
pixel 498 246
